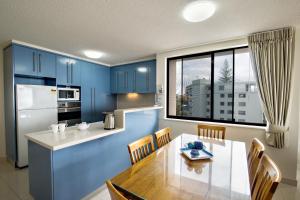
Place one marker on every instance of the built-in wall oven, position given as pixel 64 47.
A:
pixel 69 106
pixel 69 112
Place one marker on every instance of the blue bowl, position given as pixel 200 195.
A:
pixel 198 145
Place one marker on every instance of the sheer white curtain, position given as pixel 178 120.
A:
pixel 272 56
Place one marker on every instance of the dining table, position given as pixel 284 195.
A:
pixel 169 174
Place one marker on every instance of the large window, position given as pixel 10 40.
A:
pixel 214 86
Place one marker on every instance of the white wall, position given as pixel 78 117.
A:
pixel 285 158
pixel 2 133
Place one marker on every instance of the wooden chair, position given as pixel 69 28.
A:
pixel 216 132
pixel 114 193
pixel 254 156
pixel 163 137
pixel 140 149
pixel 266 180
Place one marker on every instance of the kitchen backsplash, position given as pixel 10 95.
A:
pixel 133 100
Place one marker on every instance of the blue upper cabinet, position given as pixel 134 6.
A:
pixel 46 64
pixel 32 62
pixel 137 77
pixel 68 71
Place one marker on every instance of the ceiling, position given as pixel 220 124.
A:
pixel 127 30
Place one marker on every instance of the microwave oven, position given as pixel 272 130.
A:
pixel 68 94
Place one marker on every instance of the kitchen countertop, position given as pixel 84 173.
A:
pixel 73 136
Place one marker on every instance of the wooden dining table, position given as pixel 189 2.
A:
pixel 169 174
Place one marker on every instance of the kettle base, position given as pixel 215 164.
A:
pixel 108 128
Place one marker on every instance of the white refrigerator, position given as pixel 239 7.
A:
pixel 36 108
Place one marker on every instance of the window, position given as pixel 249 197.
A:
pixel 242 112
pixel 242 104
pixel 242 95
pixel 200 85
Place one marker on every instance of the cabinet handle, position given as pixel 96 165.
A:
pixel 94 101
pixel 33 59
pixel 67 72
pixel 126 80
pixel 40 62
pixel 92 110
pixel 148 81
pixel 71 73
pixel 134 81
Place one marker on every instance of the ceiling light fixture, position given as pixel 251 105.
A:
pixel 198 11
pixel 93 54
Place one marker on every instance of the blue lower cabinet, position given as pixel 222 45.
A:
pixel 74 172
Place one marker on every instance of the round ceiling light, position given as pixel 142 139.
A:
pixel 198 11
pixel 93 54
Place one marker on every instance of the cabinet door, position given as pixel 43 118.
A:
pixel 62 70
pixel 46 64
pixel 25 60
pixel 141 79
pixel 74 72
pixel 87 92
pixel 152 78
pixel 104 100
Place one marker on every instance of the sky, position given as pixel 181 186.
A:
pixel 200 67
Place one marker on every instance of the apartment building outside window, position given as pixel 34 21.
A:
pixel 210 86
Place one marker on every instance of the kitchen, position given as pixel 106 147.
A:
pixel 173 99
pixel 47 90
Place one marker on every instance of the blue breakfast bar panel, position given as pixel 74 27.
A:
pixel 78 170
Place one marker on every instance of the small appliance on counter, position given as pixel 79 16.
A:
pixel 109 121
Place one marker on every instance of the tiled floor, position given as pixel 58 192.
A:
pixel 14 186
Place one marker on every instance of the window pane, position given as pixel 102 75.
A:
pixel 196 86
pixel 223 83
pixel 246 103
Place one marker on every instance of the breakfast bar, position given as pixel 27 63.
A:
pixel 73 164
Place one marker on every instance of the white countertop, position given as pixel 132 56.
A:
pixel 73 136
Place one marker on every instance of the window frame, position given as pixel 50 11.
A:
pixel 212 55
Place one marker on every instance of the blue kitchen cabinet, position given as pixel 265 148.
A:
pixel 136 77
pixel 46 64
pixel 25 60
pixel 68 71
pixel 96 96
pixel 32 62
pixel 145 77
pixel 87 92
pixel 122 80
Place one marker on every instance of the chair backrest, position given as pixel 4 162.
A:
pixel 217 132
pixel 140 149
pixel 266 180
pixel 254 156
pixel 114 193
pixel 163 137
